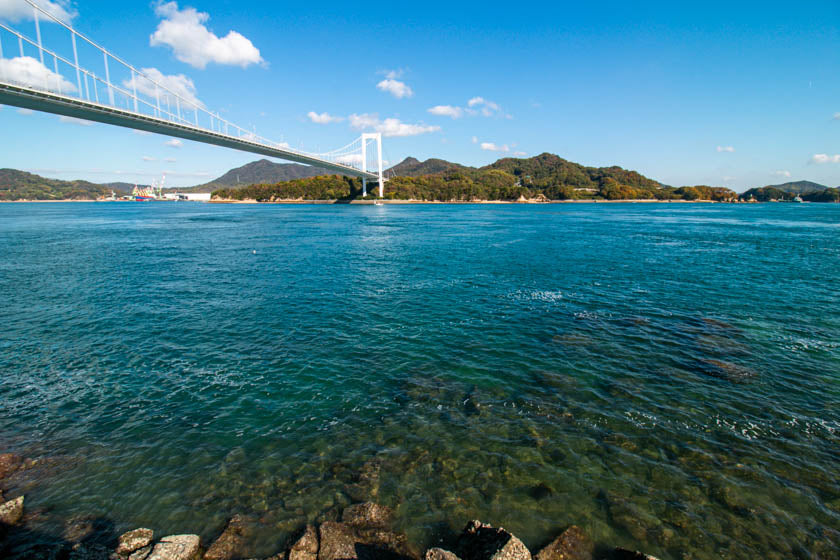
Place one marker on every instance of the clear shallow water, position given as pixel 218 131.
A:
pixel 665 376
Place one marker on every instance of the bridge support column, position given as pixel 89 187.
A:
pixel 379 161
pixel 364 164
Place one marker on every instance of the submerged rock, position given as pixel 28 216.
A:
pixel 230 542
pixel 9 463
pixel 572 544
pixel 368 514
pixel 134 540
pixel 89 551
pixel 11 512
pixel 727 370
pixel 440 554
pixel 480 541
pixel 306 547
pixel 540 491
pixel 177 547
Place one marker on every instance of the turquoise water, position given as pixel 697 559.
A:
pixel 665 376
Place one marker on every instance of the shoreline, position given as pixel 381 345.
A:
pixel 372 202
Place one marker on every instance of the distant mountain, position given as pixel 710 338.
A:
pixel 798 187
pixel 413 167
pixel 260 172
pixel 20 185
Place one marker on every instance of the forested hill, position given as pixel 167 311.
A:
pixel 545 176
pixel 257 172
pixel 412 167
pixel 20 185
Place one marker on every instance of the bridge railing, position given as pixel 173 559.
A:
pixel 29 62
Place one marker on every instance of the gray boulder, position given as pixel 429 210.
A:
pixel 440 554
pixel 11 512
pixel 177 547
pixel 572 544
pixel 133 541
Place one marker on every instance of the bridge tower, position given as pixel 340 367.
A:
pixel 377 136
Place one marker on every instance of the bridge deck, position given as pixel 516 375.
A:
pixel 37 100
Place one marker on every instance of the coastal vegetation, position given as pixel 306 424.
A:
pixel 544 177
pixel 20 185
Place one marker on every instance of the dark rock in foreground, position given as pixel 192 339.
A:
pixel 624 554
pixel 306 547
pixel 337 542
pixel 572 544
pixel 480 541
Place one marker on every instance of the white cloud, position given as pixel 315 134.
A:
pixel 17 10
pixel 184 31
pixel 485 107
pixel 447 111
pixel 825 158
pixel 837 116
pixel 173 143
pixel 349 159
pixel 26 70
pixel 23 111
pixel 491 147
pixel 170 160
pixel 520 154
pixel 782 173
pixel 323 118
pixel 395 87
pixel 728 149
pixel 475 139
pixel 178 84
pixel 74 120
pixel 141 132
pixel 389 127
pixel 149 158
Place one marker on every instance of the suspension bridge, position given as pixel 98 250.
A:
pixel 114 92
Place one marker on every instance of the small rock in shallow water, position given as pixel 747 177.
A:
pixel 572 544
pixel 306 547
pixel 540 491
pixel 12 511
pixel 480 541
pixel 176 547
pixel 134 540
pixel 9 463
pixel 230 542
pixel 727 370
pixel 367 514
pixel 440 554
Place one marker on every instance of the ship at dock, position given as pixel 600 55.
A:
pixel 152 192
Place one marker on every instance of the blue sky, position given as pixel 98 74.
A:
pixel 733 94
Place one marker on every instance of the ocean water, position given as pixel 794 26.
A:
pixel 666 376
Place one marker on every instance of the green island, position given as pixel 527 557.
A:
pixel 542 178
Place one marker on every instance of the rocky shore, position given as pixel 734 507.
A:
pixel 363 531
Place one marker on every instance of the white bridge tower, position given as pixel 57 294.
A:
pixel 365 138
